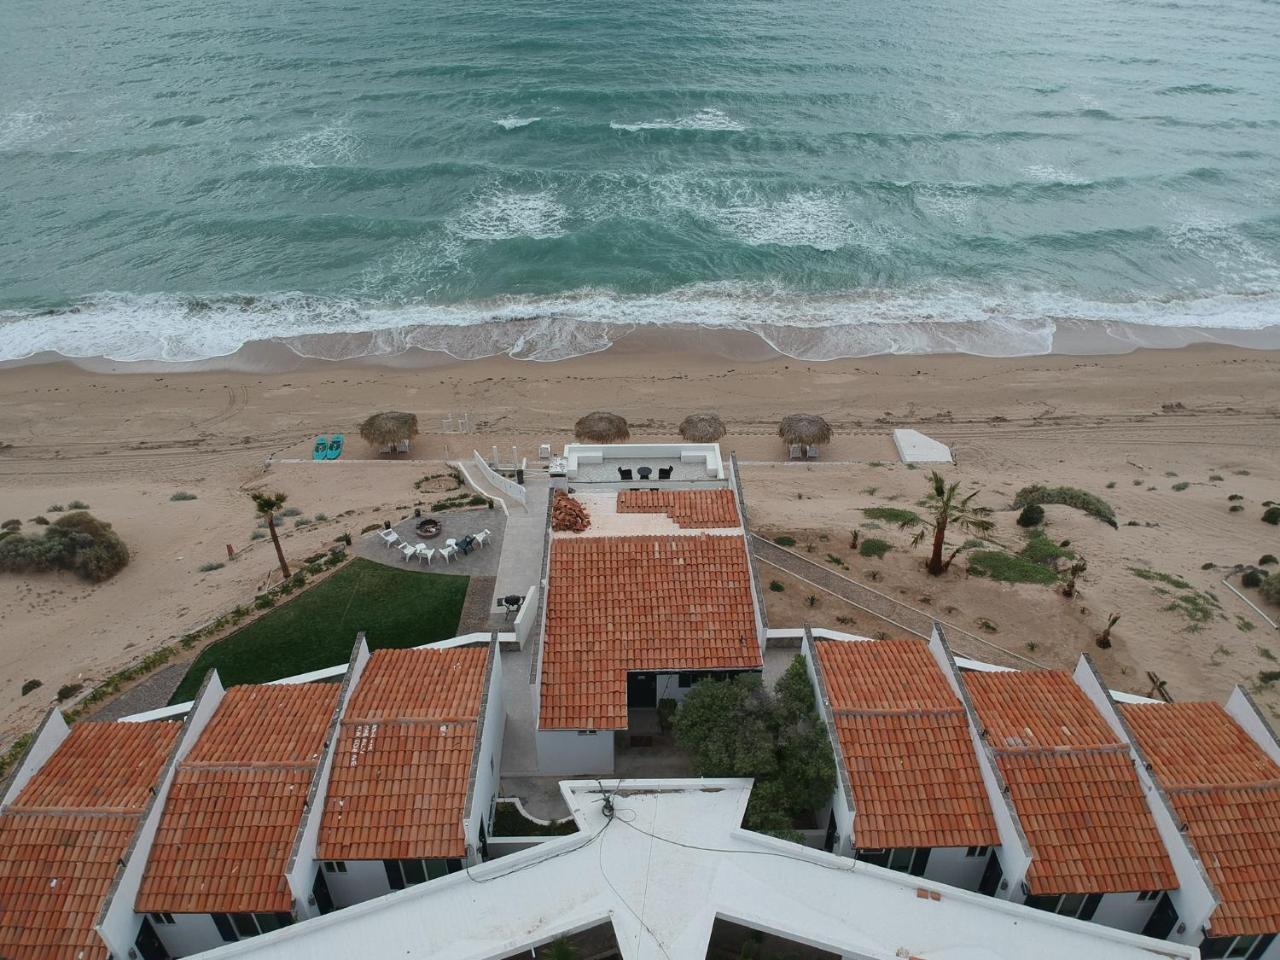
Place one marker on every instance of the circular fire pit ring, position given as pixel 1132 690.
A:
pixel 429 528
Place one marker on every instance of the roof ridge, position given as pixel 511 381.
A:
pixel 249 764
pixel 407 721
pixel 1090 749
pixel 1254 786
pixel 956 711
pixel 117 812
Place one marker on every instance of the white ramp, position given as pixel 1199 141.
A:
pixel 914 447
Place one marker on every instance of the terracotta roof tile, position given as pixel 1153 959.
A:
pixel 904 738
pixel 62 838
pixel 1227 792
pixel 402 770
pixel 236 803
pixel 639 603
pixel 700 509
pixel 1073 785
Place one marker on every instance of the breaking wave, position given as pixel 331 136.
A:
pixel 709 118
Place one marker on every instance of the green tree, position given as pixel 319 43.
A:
pixel 725 725
pixel 267 505
pixel 946 511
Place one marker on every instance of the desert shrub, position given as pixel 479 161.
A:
pixel 1271 588
pixel 1271 516
pixel 1040 549
pixel 1179 487
pixel 1008 568
pixel 370 528
pixel 55 508
pixel 1111 484
pixel 78 541
pixel 211 566
pixel 1067 496
pixel 1235 496
pixel 314 568
pixel 1252 578
pixel 301 522
pixel 258 535
pixel 182 495
pixel 41 520
pixel 29 685
pixel 1216 477
pixel 321 517
pixel 263 600
pixel 1235 508
pixel 894 515
pixel 11 525
pixel 77 505
pixel 69 690
pixel 871 547
pixel 343 538
pixel 776 586
pixel 477 500
pixel 1032 515
pixel 785 541
pixel 290 512
pixel 1267 558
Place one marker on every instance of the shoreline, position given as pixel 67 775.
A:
pixel 1070 338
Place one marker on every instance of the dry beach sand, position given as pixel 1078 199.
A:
pixel 125 441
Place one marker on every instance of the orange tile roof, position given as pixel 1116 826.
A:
pixel 62 838
pixel 236 803
pixel 402 770
pixel 701 509
pixel 1073 785
pixel 904 738
pixel 1227 792
pixel 639 603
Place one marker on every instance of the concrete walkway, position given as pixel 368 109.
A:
pixel 523 545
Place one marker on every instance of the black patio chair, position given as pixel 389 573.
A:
pixel 624 473
pixel 664 473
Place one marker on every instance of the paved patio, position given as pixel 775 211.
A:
pixel 481 562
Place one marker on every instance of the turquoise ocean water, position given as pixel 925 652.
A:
pixel 179 178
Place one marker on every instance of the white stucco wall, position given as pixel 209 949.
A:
pixel 489 761
pixel 189 933
pixel 118 924
pixel 571 752
pixel 363 880
pixel 1243 711
pixel 950 865
pixel 1194 898
pixel 47 739
pixel 1123 911
pixel 841 801
pixel 1013 852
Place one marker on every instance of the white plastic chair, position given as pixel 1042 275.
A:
pixel 389 537
pixel 482 539
pixel 448 553
pixel 424 553
pixel 408 550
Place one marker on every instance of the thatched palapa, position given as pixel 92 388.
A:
pixel 389 427
pixel 805 428
pixel 702 428
pixel 601 427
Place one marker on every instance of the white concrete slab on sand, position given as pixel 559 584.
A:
pixel 914 447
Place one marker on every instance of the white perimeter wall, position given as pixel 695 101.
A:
pixel 1123 911
pixel 489 762
pixel 47 739
pixel 1245 713
pixel 1194 899
pixel 364 880
pixel 118 925
pixel 569 752
pixel 840 803
pixel 950 865
pixel 189 933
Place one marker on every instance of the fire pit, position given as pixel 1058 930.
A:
pixel 429 528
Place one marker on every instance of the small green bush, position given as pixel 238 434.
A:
pixel 1271 516
pixel 263 600
pixel 1067 496
pixel 1235 508
pixel 1179 487
pixel 1216 478
pixel 69 690
pixel 1252 578
pixel 1008 568
pixel 1040 549
pixel 55 508
pixel 77 505
pixel 776 586
pixel 370 528
pixel 894 515
pixel 211 566
pixel 11 525
pixel 1235 496
pixel 871 547
pixel 301 522
pixel 41 520
pixel 29 685
pixel 785 541
pixel 1111 484
pixel 1032 515
pixel 1267 558
pixel 258 535
pixel 1271 588
pixel 321 517
pixel 182 495
pixel 78 542
pixel 343 538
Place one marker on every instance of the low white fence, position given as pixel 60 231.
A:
pixel 508 487
pixel 527 616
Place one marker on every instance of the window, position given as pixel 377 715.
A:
pixel 335 866
pixel 1236 948
pixel 977 851
pixel 162 918
pixel 407 873
pixel 235 926
pixel 910 860
pixel 223 923
pixel 1079 905
pixel 1146 896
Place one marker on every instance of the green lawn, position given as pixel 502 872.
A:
pixel 317 628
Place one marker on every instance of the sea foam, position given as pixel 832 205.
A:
pixel 709 118
pixel 514 122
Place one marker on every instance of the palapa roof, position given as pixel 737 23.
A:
pixel 702 427
pixel 616 604
pixel 1073 785
pixel 236 803
pixel 804 428
pixel 64 835
pixel 903 737
pixel 402 770
pixel 1227 792
pixel 602 427
pixel 391 426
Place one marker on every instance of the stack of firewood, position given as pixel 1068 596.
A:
pixel 568 514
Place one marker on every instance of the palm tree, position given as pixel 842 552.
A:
pixel 267 504
pixel 947 511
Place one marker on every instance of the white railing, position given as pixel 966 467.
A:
pixel 497 481
pixel 527 616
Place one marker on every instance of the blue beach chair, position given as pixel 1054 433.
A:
pixel 335 447
pixel 321 450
